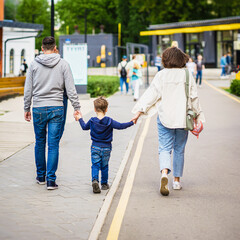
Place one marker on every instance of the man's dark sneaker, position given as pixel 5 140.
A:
pixel 51 185
pixel 95 186
pixel 105 186
pixel 41 180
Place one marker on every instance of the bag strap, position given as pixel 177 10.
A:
pixel 187 83
pixel 122 65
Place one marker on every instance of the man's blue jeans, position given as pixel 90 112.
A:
pixel 171 139
pixel 199 75
pixel 47 120
pixel 122 81
pixel 100 158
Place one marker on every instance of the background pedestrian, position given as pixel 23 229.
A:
pixel 158 62
pixel 223 64
pixel 229 63
pixel 199 68
pixel 191 66
pixel 123 73
pixel 130 66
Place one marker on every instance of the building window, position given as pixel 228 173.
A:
pixel 164 42
pixel 225 44
pixel 22 55
pixel 194 44
pixel 11 61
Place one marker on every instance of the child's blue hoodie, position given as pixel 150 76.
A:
pixel 101 130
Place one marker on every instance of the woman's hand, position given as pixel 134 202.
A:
pixel 135 119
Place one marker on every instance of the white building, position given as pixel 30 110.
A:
pixel 19 40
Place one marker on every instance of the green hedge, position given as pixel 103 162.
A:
pixel 235 87
pixel 102 85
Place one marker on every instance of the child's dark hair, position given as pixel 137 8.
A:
pixel 101 104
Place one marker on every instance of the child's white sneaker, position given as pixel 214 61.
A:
pixel 164 190
pixel 176 185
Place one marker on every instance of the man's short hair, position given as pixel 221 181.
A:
pixel 48 43
pixel 101 104
pixel 173 57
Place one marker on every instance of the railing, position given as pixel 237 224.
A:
pixel 11 86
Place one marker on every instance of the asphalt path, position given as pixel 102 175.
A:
pixel 208 206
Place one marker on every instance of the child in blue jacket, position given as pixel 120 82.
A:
pixel 101 131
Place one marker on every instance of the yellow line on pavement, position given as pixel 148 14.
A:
pixel 122 205
pixel 222 91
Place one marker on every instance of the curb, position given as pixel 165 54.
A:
pixel 97 227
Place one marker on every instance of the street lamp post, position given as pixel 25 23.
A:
pixel 52 18
pixel 85 33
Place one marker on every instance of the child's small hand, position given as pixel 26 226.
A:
pixel 135 119
pixel 77 115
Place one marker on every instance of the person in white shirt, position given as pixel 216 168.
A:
pixel 132 74
pixel 191 66
pixel 167 94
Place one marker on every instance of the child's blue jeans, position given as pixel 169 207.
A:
pixel 100 157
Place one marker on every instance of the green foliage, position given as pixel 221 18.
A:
pixel 10 9
pixel 223 8
pixel 134 15
pixel 35 11
pixel 99 12
pixel 102 85
pixel 235 87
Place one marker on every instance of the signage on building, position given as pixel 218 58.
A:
pixel 236 45
pixel 76 56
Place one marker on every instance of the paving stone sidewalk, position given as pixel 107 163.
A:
pixel 29 211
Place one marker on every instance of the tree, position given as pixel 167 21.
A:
pixel 10 9
pixel 99 12
pixel 167 11
pixel 35 11
pixel 226 8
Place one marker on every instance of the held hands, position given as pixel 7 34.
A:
pixel 135 119
pixel 77 115
pixel 27 116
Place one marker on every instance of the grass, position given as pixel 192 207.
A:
pixel 102 85
pixel 226 89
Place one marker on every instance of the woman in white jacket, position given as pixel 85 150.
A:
pixel 167 94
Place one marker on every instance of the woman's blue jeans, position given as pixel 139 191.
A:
pixel 100 157
pixel 171 140
pixel 47 120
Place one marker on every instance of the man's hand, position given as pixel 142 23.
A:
pixel 27 116
pixel 135 119
pixel 77 115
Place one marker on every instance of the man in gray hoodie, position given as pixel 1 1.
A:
pixel 47 77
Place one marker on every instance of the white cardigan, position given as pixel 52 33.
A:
pixel 167 96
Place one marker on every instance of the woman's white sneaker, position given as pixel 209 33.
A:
pixel 164 190
pixel 176 185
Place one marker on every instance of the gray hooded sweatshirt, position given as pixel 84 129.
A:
pixel 47 77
